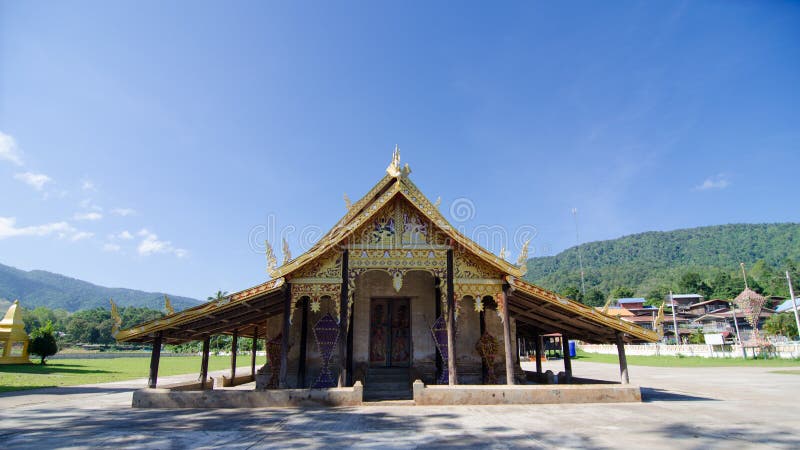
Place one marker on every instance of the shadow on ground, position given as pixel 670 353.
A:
pixel 662 395
pixel 389 427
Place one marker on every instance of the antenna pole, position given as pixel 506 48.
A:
pixel 578 245
pixel 794 301
pixel 744 275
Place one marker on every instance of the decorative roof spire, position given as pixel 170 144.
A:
pixel 287 254
pixel 272 262
pixel 168 305
pixel 394 166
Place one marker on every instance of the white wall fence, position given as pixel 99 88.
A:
pixel 787 351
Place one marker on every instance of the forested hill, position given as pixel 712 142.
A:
pixel 40 288
pixel 650 263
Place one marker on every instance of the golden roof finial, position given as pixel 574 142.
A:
pixel 503 253
pixel 347 203
pixel 287 254
pixel 438 202
pixel 168 305
pixel 394 167
pixel 116 318
pixel 272 262
pixel 523 257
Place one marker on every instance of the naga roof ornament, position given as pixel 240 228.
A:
pixel 287 254
pixel 272 262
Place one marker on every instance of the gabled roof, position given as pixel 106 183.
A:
pixel 395 184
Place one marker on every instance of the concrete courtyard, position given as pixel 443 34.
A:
pixel 702 408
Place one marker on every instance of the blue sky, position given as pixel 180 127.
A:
pixel 150 145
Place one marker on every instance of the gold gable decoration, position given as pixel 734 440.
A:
pixel 320 278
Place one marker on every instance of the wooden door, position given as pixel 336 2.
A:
pixel 390 332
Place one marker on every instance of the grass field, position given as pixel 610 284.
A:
pixel 71 372
pixel 688 361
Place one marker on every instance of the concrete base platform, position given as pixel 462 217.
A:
pixel 166 398
pixel 524 394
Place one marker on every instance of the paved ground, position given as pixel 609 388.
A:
pixel 703 408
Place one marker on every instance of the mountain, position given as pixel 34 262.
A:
pixel 652 262
pixel 41 288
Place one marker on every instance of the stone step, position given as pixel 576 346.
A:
pixel 388 395
pixel 386 386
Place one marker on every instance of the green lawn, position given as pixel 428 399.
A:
pixel 687 361
pixel 786 372
pixel 71 372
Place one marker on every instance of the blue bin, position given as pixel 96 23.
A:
pixel 572 351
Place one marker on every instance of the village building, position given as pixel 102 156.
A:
pixel 392 294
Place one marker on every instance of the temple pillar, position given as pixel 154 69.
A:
pixel 451 323
pixel 623 362
pixel 234 350
pixel 287 305
pixel 204 363
pixel 253 354
pixel 155 357
pixel 301 364
pixel 507 338
pixel 343 321
pixel 567 358
pixel 538 351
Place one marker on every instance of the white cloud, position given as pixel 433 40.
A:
pixel 109 247
pixel 88 185
pixel 150 244
pixel 80 235
pixel 716 182
pixel 8 149
pixel 123 211
pixel 35 180
pixel 123 235
pixel 87 204
pixel 88 216
pixel 9 229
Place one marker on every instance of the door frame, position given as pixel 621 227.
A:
pixel 389 301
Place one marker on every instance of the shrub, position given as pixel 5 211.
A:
pixel 43 342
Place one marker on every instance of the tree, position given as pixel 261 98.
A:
pixel 622 292
pixel 697 337
pixel 43 342
pixel 693 283
pixel 781 324
pixel 218 296
pixel 595 297
pixel 656 296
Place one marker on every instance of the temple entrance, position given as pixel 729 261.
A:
pixel 390 332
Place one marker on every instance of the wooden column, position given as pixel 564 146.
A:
pixel 451 323
pixel 343 322
pixel 567 358
pixel 482 323
pixel 623 362
pixel 253 355
pixel 301 364
pixel 204 363
pixel 234 350
pixel 350 348
pixel 538 351
pixel 507 337
pixel 287 305
pixel 438 309
pixel 155 357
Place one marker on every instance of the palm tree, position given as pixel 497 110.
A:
pixel 218 296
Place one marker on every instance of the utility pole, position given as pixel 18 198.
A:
pixel 578 245
pixel 674 319
pixel 736 319
pixel 794 301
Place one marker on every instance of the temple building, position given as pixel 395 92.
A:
pixel 392 294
